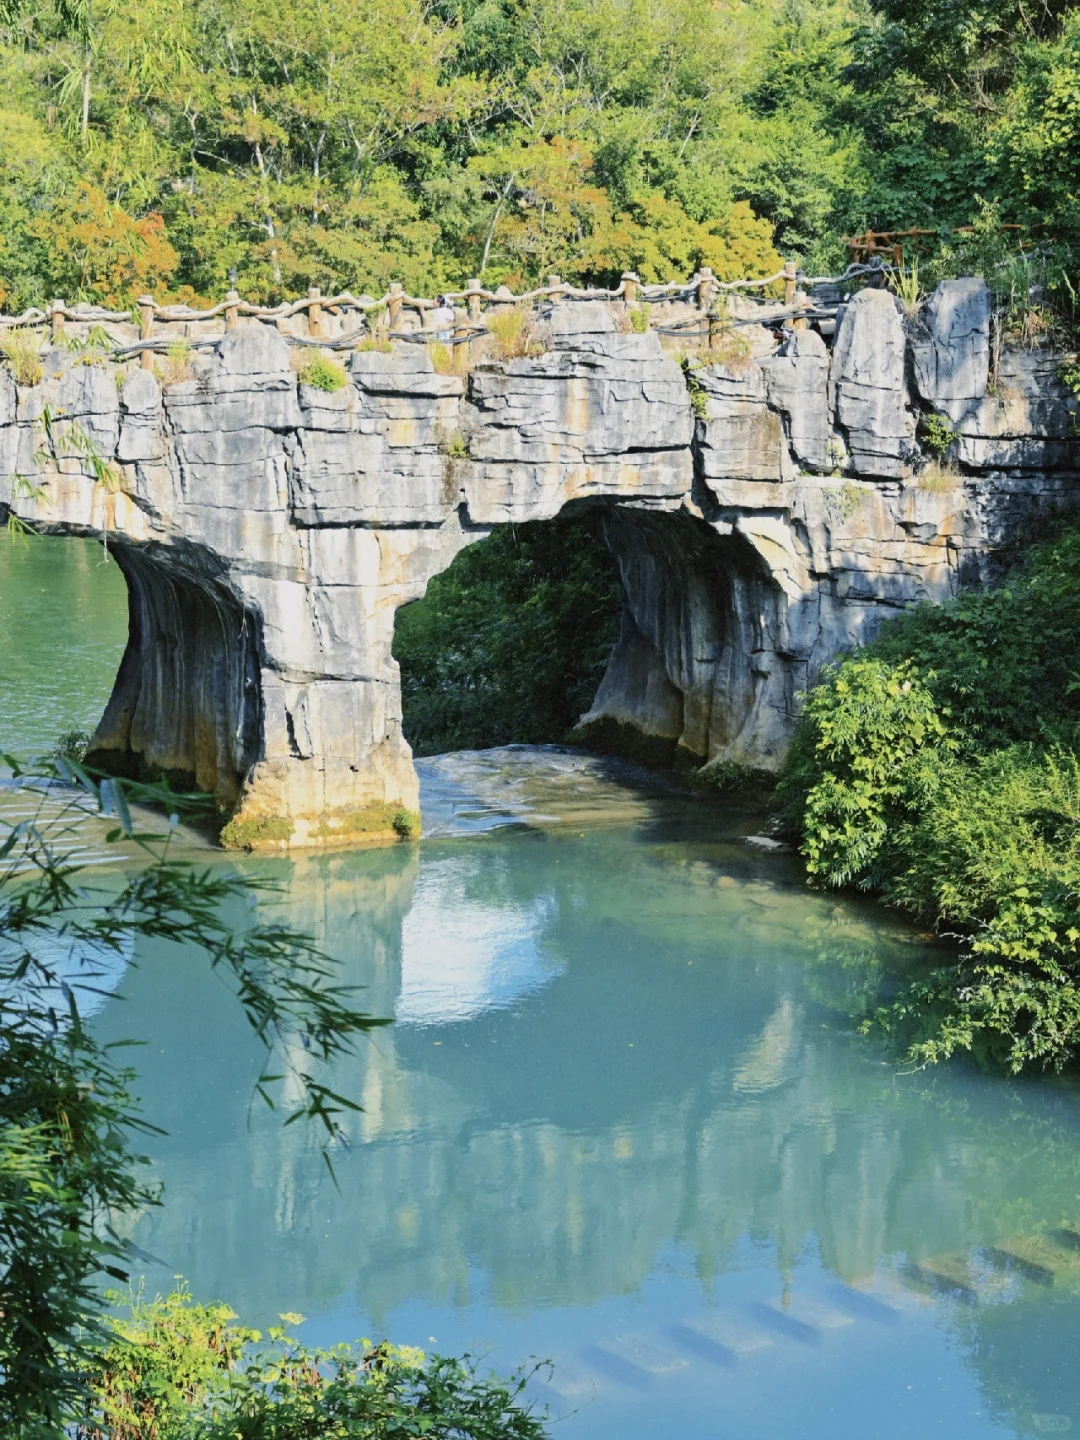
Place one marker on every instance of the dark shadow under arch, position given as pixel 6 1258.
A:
pixel 187 697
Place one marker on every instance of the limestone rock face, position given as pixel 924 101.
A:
pixel 1027 423
pixel 950 350
pixel 9 434
pixel 601 415
pixel 141 436
pixel 376 452
pixel 866 388
pixel 764 518
pixel 797 383
pixel 743 437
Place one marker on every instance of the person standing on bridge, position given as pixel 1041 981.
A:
pixel 442 319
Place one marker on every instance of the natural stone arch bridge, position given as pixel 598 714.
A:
pixel 765 514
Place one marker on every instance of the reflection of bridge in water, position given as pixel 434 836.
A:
pixel 650 1060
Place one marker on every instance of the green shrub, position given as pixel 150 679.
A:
pixel 321 373
pixel 177 1370
pixel 936 434
pixel 852 767
pixel 940 769
pixel 406 824
pixel 699 399
pixel 72 745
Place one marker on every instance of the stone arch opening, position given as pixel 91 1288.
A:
pixel 64 611
pixel 509 642
pixel 690 671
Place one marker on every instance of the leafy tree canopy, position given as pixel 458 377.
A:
pixel 160 144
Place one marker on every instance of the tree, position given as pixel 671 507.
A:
pixel 68 1173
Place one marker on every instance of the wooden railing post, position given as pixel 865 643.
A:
pixel 790 274
pixel 146 327
pixel 631 284
pixel 394 307
pixel 706 292
pixel 56 317
pixel 232 310
pixel 314 313
pixel 474 300
pixel 554 282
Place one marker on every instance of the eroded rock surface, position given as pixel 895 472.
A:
pixel 764 517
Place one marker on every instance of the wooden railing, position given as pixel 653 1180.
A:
pixel 876 243
pixel 342 320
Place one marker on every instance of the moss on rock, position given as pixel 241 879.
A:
pixel 258 832
pixel 371 820
pixel 368 823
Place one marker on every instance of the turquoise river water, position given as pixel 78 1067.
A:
pixel 621 1120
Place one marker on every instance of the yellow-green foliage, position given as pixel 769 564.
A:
pixel 729 347
pixel 615 154
pixel 843 500
pixel 254 834
pixel 378 341
pixel 369 820
pixel 442 357
pixel 905 281
pixel 173 1369
pixel 319 371
pixel 177 365
pixel 21 351
pixel 512 329
pixel 938 479
pixel 640 316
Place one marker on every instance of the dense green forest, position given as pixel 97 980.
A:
pixel 160 144
pixel 509 644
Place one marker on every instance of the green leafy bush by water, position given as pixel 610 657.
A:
pixel 177 1370
pixel 940 769
pixel 509 644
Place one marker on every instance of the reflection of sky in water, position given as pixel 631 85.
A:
pixel 91 972
pixel 459 958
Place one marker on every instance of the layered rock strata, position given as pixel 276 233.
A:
pixel 765 514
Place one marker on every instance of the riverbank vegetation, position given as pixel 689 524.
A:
pixel 178 1370
pixel 159 145
pixel 510 643
pixel 940 768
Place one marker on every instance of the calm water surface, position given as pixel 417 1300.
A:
pixel 621 1122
